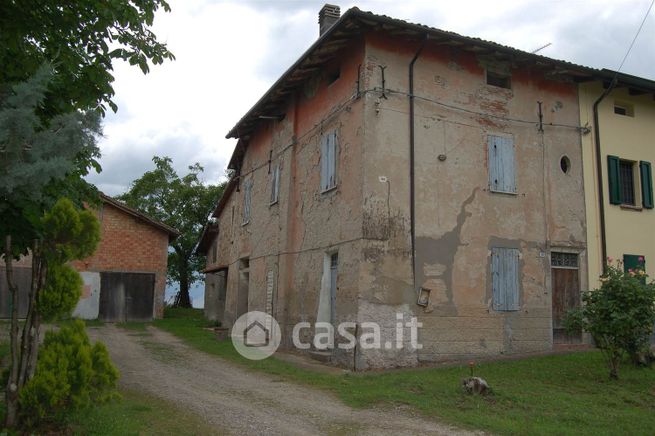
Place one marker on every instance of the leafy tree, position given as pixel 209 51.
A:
pixel 183 203
pixel 48 133
pixel 82 38
pixel 619 316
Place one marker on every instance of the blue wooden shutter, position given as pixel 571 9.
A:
pixel 275 184
pixel 325 178
pixel 502 174
pixel 247 198
pixel 333 159
pixel 613 179
pixel 505 278
pixel 646 184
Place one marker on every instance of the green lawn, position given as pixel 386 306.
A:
pixel 137 414
pixel 564 394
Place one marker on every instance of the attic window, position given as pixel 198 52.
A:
pixel 333 76
pixel 501 80
pixel 624 109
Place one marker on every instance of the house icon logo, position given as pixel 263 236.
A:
pixel 256 335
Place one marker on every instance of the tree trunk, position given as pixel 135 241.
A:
pixel 183 298
pixel 29 333
pixel 12 382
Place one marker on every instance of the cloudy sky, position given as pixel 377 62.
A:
pixel 230 52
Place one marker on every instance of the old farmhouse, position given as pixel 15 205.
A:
pixel 397 170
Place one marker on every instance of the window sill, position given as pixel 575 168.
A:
pixel 273 203
pixel 631 207
pixel 329 190
pixel 493 191
pixel 245 223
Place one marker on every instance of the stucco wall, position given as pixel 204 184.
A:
pixel 289 239
pixel 458 220
pixel 629 230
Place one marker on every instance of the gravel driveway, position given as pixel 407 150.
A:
pixel 239 401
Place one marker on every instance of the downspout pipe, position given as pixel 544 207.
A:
pixel 412 197
pixel 599 171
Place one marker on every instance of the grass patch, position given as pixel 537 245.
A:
pixel 564 394
pixel 137 414
pixel 93 323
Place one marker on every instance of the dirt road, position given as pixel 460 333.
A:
pixel 238 401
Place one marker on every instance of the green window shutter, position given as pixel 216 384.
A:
pixel 613 178
pixel 646 184
pixel 634 262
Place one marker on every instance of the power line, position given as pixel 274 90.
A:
pixel 635 38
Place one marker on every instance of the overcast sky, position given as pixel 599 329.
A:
pixel 230 52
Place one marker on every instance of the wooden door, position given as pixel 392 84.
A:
pixel 566 294
pixel 126 296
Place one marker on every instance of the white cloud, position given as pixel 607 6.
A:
pixel 229 53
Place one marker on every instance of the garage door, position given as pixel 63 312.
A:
pixel 126 296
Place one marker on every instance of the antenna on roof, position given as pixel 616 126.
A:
pixel 541 48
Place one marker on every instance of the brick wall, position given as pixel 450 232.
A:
pixel 130 245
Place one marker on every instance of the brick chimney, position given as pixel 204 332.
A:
pixel 328 15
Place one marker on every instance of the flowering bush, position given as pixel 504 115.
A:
pixel 619 316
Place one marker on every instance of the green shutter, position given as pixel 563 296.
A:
pixel 646 184
pixel 634 262
pixel 613 178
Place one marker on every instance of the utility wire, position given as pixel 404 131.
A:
pixel 635 38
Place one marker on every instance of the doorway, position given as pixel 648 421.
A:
pixel 565 274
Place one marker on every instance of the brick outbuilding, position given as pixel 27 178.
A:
pixel 124 280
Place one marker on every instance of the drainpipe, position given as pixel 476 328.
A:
pixel 599 170
pixel 412 200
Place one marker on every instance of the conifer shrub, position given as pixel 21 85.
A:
pixel 71 374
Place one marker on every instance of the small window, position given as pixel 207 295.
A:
pixel 565 164
pixel 499 79
pixel 627 110
pixel 505 278
pixel 625 182
pixel 275 184
pixel 501 164
pixel 564 260
pixel 329 149
pixel 247 201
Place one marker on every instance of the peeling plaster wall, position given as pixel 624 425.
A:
pixel 289 239
pixel 458 220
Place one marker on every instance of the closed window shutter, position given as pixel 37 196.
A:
pixel 325 181
pixel 502 177
pixel 646 172
pixel 247 197
pixel 333 159
pixel 505 278
pixel 613 179
pixel 275 184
